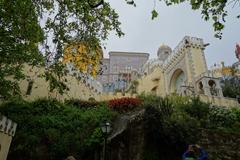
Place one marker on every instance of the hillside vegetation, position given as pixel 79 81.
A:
pixel 48 129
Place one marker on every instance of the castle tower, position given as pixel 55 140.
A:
pixel 182 65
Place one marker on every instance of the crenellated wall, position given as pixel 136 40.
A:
pixel 7 131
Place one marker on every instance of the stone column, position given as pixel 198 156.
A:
pixel 206 87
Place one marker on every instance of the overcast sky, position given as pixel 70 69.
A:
pixel 174 22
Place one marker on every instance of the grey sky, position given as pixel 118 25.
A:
pixel 174 22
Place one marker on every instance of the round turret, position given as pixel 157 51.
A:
pixel 163 52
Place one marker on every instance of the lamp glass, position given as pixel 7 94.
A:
pixel 105 127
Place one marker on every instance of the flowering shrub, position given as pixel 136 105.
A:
pixel 124 104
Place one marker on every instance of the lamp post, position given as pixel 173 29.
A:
pixel 105 129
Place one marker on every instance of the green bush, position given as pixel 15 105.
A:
pixel 197 109
pixel 48 129
pixel 150 100
pixel 82 104
pixel 167 136
pixel 236 111
pixel 231 86
pixel 163 105
pixel 221 117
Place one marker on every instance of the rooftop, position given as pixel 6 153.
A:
pixel 113 53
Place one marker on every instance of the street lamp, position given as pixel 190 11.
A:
pixel 106 127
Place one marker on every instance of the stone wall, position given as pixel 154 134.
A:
pixel 219 101
pixel 127 140
pixel 220 145
pixel 41 89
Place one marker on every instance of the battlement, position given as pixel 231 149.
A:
pixel 187 41
pixel 7 126
pixel 7 131
pixel 175 55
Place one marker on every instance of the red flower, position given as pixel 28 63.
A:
pixel 124 104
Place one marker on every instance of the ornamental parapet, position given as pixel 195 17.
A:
pixel 187 41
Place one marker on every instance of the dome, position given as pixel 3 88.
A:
pixel 164 47
pixel 163 52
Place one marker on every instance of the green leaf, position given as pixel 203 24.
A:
pixel 154 14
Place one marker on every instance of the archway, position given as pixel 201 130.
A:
pixel 177 80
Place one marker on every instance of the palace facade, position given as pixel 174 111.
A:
pixel 120 69
pixel 183 71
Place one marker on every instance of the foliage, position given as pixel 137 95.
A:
pixel 214 10
pixel 197 109
pixel 133 87
pixel 236 125
pixel 231 86
pixel 236 111
pixel 82 58
pixel 167 136
pixel 124 104
pixel 35 32
pixel 82 104
pixel 207 116
pixel 164 105
pixel 221 117
pixel 20 34
pixel 150 99
pixel 154 14
pixel 48 129
pixel 54 76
